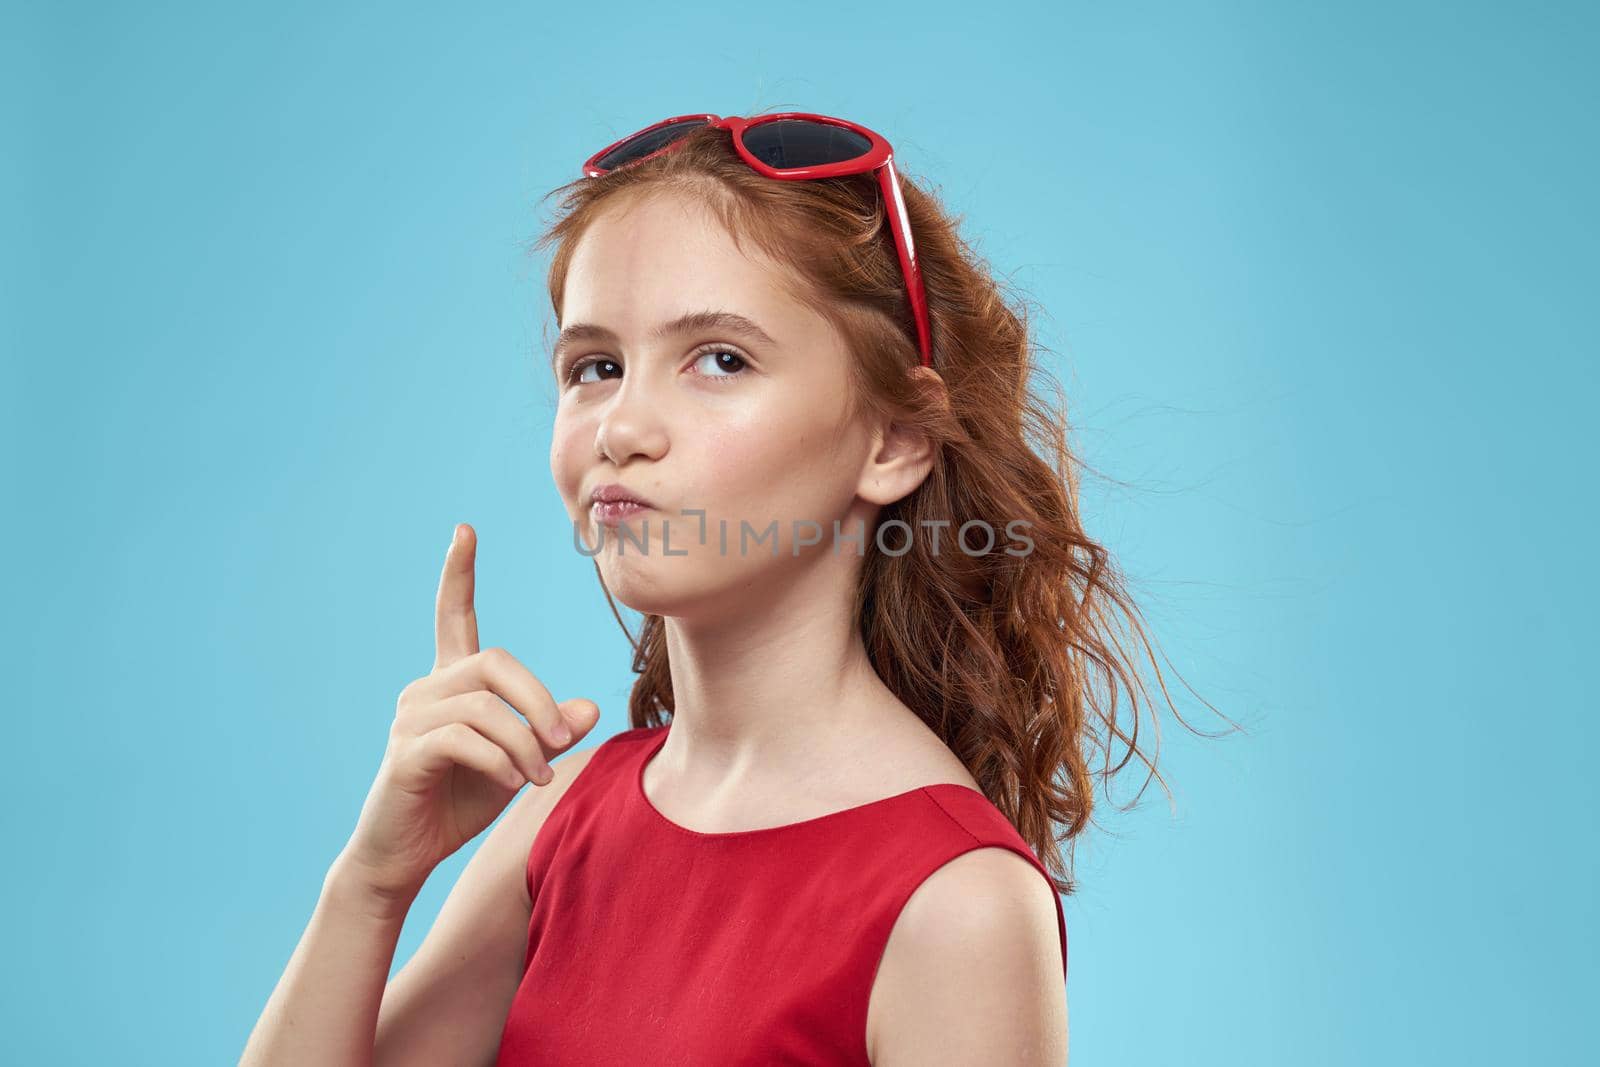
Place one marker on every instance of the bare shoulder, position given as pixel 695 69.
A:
pixel 972 970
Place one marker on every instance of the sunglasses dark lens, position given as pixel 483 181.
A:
pixel 784 143
pixel 643 144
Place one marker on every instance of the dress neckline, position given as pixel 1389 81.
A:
pixel 655 813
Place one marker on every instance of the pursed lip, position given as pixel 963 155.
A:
pixel 614 493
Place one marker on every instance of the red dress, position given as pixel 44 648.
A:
pixel 654 944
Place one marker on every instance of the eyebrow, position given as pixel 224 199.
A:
pixel 693 322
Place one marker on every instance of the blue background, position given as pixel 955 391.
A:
pixel 1319 280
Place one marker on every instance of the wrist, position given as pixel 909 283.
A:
pixel 349 883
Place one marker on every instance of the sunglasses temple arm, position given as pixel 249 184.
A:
pixel 900 224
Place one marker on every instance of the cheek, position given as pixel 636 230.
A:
pixel 767 469
pixel 740 460
pixel 566 459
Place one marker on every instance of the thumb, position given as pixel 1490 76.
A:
pixel 580 714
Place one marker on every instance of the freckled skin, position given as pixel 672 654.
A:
pixel 762 438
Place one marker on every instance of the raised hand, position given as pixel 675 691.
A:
pixel 466 737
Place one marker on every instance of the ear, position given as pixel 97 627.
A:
pixel 901 456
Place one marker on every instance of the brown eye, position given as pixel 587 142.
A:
pixel 722 362
pixel 582 366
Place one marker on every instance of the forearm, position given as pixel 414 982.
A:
pixel 324 1010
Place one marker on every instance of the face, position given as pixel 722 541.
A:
pixel 702 415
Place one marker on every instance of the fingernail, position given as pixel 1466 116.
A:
pixel 561 734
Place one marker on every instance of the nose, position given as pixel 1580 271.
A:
pixel 631 425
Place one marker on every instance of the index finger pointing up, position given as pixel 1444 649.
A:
pixel 455 624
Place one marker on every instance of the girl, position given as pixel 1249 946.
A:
pixel 794 429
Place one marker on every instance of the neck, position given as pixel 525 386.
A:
pixel 779 691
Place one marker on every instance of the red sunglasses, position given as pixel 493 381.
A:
pixel 793 146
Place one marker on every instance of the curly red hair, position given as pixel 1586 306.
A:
pixel 1018 662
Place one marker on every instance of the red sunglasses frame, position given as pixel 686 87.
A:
pixel 877 160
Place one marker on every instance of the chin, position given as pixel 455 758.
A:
pixel 674 586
